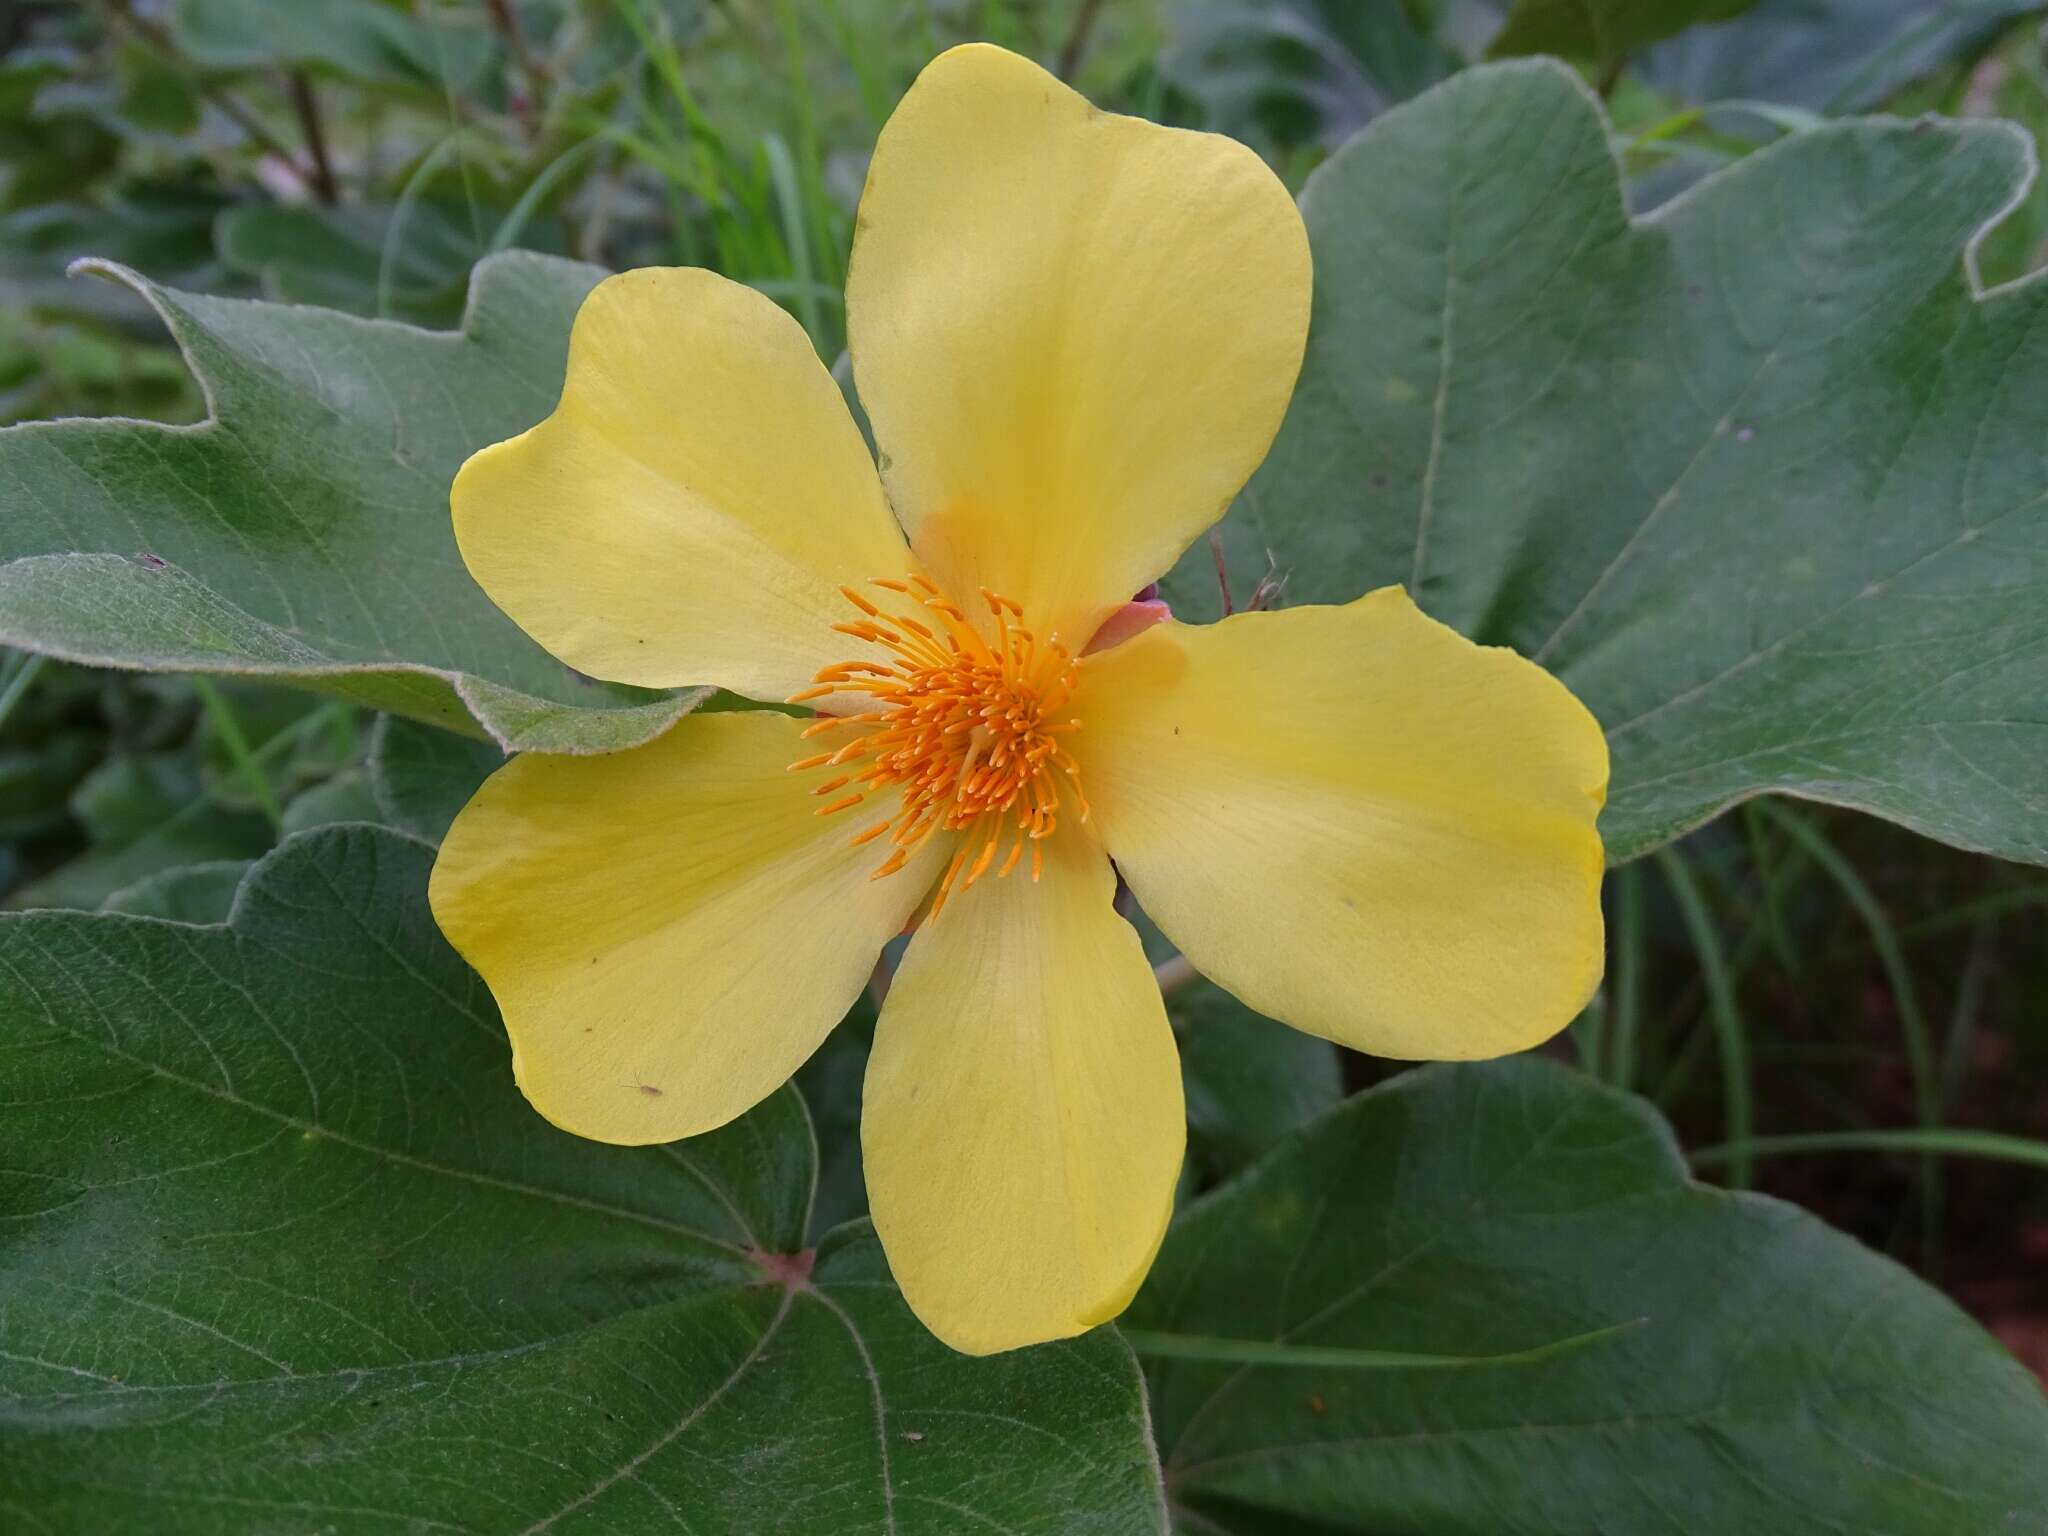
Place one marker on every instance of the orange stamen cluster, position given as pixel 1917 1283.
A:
pixel 968 725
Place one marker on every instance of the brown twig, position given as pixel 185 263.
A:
pixel 247 121
pixel 1222 570
pixel 1077 37
pixel 505 19
pixel 322 180
pixel 159 41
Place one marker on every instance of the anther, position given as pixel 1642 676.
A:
pixel 963 728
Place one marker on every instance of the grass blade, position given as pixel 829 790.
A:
pixel 1891 955
pixel 1628 974
pixel 246 763
pixel 18 685
pixel 1721 1008
pixel 789 196
pixel 401 215
pixel 516 218
pixel 1949 1143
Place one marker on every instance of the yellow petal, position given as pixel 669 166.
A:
pixel 1074 333
pixel 1358 821
pixel 1022 1123
pixel 670 931
pixel 688 512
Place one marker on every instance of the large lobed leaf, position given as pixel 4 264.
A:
pixel 285 1246
pixel 1760 476
pixel 1781 1378
pixel 286 1251
pixel 302 534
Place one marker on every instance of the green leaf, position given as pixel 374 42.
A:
pixel 36 780
pixel 129 795
pixel 165 227
pixel 345 797
pixel 302 534
pixel 195 893
pixel 420 777
pixel 1832 55
pixel 1248 1080
pixel 1189 1346
pixel 272 724
pixel 134 93
pixel 1783 1379
pixel 143 813
pixel 288 1251
pixel 1761 477
pixel 365 40
pixel 1605 31
pixel 46 154
pixel 340 257
pixel 1298 72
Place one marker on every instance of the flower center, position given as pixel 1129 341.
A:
pixel 969 727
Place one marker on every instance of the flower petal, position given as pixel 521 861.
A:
pixel 688 512
pixel 670 931
pixel 1022 1123
pixel 1075 333
pixel 1358 821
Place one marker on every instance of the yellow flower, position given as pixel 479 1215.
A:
pixel 1075 335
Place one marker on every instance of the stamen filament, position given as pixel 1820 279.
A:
pixel 968 726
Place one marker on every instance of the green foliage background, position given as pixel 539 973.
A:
pixel 1669 364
